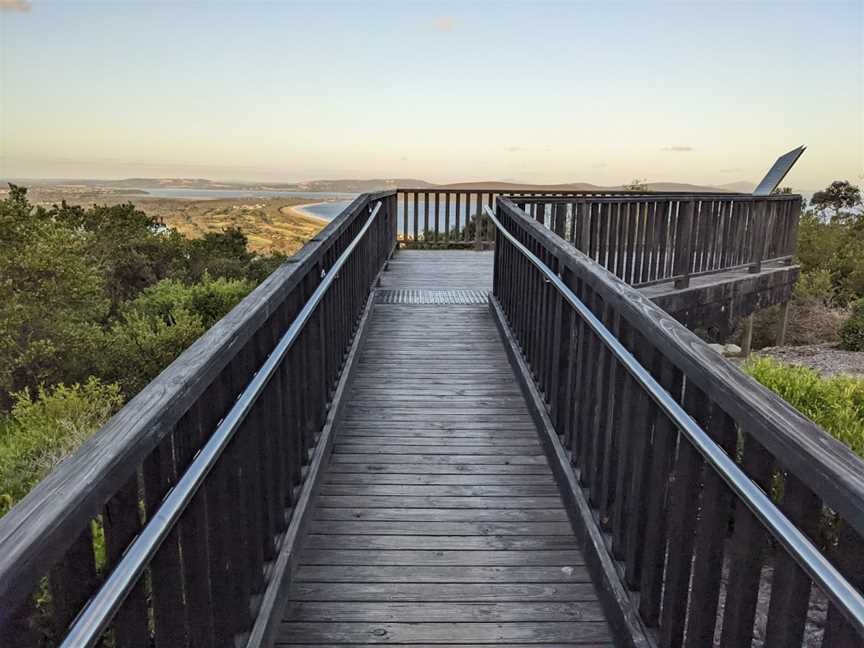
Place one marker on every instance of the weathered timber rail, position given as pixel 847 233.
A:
pixel 641 238
pixel 675 450
pixel 650 238
pixel 454 217
pixel 356 457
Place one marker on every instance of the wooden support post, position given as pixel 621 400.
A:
pixel 747 340
pixel 782 323
pixel 684 243
pixel 758 233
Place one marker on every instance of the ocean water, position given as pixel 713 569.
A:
pixel 326 210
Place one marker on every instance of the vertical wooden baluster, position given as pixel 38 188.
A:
pixel 711 532
pixel 645 415
pixel 535 305
pixel 790 586
pixel 549 364
pixel 627 233
pixel 457 233
pixel 661 210
pixel 696 236
pixel 294 398
pixel 655 540
pixel 587 397
pixel 478 223
pixel 615 240
pixel 639 243
pixel 194 542
pixel 560 219
pixel 652 240
pixel 628 216
pixel 405 196
pixel 447 219
pixel 628 427
pixel 682 515
pixel 746 549
pixel 577 432
pixel 122 522
pixel 563 352
pixel 312 376
pixel 425 229
pixel 683 244
pixel 759 232
pixel 72 581
pixel 847 554
pixel 220 522
pixel 270 434
pixel 794 225
pixel 600 432
pixel 249 476
pixel 607 466
pixel 710 223
pixel 723 238
pixel 19 628
pixel 166 568
pixel 437 216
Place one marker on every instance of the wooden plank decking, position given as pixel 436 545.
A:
pixel 438 521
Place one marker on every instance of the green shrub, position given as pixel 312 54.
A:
pixel 814 286
pixel 159 324
pixel 210 300
pixel 44 428
pixel 852 331
pixel 836 403
pixel 140 345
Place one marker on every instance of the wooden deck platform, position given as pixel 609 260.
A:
pixel 438 520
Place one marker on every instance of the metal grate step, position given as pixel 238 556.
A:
pixel 431 296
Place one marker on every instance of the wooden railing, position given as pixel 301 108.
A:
pixel 651 238
pixel 454 218
pixel 703 558
pixel 244 397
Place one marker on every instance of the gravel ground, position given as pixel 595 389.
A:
pixel 827 359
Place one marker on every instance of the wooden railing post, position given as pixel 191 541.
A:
pixel 757 235
pixel 684 243
pixel 792 235
pixel 559 218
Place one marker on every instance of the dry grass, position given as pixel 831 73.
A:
pixel 810 322
pixel 271 224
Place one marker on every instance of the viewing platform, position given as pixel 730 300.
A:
pixel 395 442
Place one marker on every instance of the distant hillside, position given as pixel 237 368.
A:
pixel 742 186
pixel 353 185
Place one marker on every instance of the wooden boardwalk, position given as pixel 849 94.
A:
pixel 438 520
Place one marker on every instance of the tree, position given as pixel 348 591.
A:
pixel 52 300
pixel 637 185
pixel 133 250
pixel 840 199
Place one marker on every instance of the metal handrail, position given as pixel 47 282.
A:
pixel 809 558
pixel 94 618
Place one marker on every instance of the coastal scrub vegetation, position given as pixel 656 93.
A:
pixel 94 303
pixel 835 403
pixel 830 251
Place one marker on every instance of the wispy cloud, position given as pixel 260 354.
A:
pixel 514 149
pixel 677 149
pixel 15 5
pixel 599 165
pixel 444 24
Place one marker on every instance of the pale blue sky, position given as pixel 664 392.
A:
pixel 707 92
